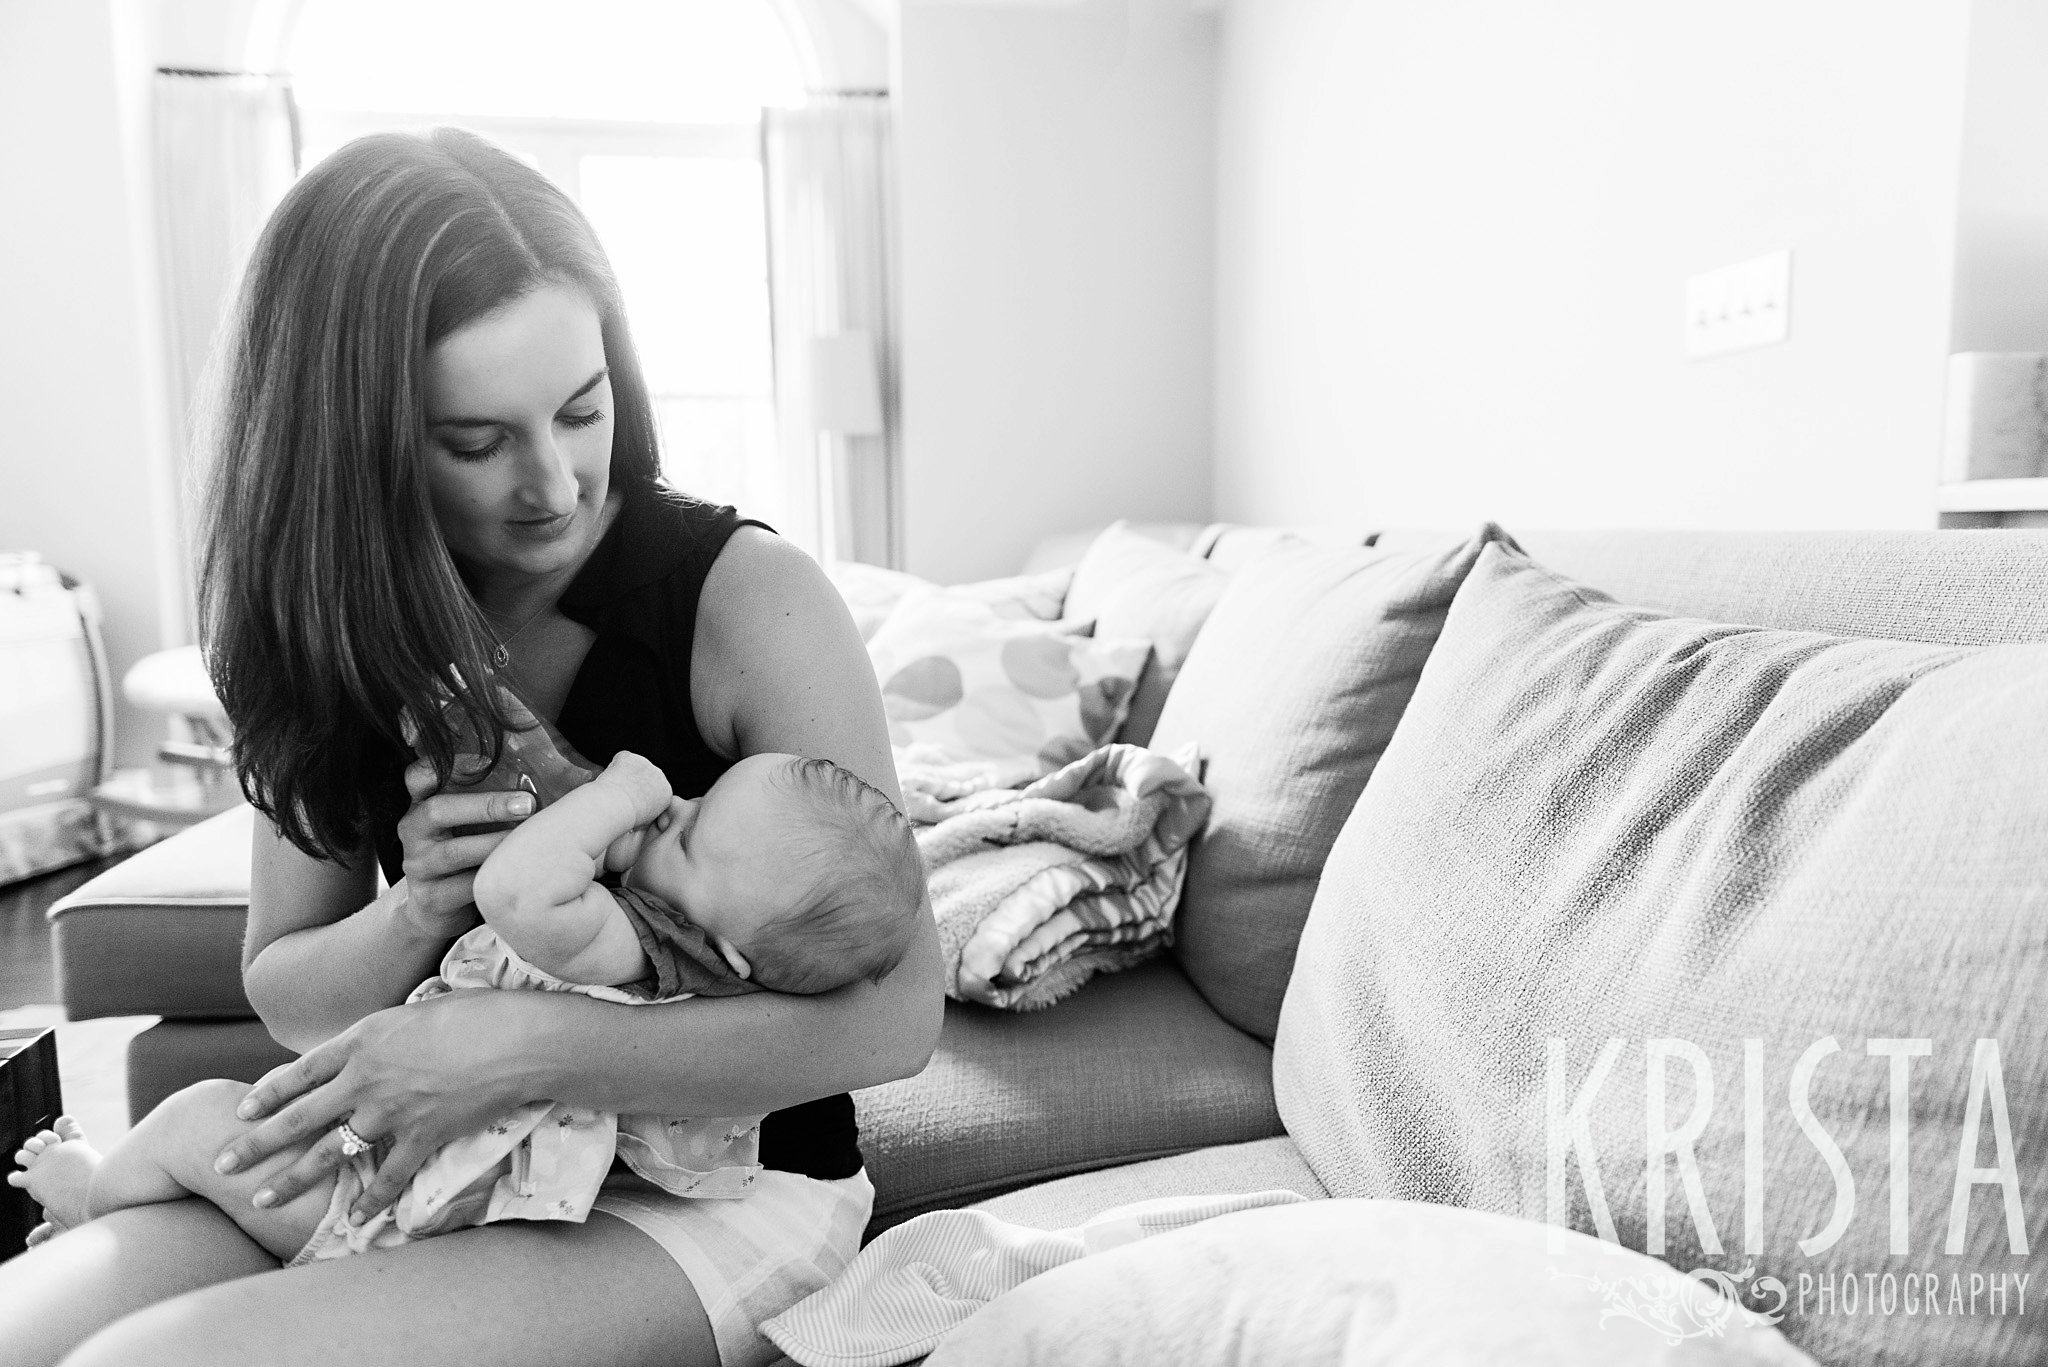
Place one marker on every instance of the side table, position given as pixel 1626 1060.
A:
pixel 29 1101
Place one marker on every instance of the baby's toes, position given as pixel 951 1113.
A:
pixel 68 1128
pixel 17 1178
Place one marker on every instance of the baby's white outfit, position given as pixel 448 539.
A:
pixel 546 1160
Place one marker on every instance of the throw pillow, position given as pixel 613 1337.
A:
pixel 1725 941
pixel 968 689
pixel 1361 1284
pixel 1133 585
pixel 1291 692
pixel 872 593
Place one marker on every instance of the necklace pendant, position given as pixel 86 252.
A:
pixel 502 656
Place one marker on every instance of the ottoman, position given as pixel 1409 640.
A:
pixel 160 934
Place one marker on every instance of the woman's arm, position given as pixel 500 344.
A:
pixel 316 959
pixel 778 668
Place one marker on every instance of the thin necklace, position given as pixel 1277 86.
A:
pixel 502 656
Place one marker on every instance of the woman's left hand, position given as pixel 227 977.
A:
pixel 408 1078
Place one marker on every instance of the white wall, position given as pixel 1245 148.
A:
pixel 2002 216
pixel 1057 182
pixel 1454 236
pixel 84 470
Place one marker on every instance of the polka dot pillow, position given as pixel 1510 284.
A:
pixel 994 697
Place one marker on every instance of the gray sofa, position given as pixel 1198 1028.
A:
pixel 1470 912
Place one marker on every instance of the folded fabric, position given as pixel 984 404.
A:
pixel 915 1283
pixel 1038 889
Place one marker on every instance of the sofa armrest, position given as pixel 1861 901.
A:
pixel 161 933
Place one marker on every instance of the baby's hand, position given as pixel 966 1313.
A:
pixel 622 852
pixel 641 782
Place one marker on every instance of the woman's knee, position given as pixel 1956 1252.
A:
pixel 168 1334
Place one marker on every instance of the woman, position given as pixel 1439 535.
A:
pixel 436 459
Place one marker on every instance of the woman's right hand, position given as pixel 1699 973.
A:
pixel 441 865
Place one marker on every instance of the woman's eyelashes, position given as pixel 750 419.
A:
pixel 572 420
pixel 476 452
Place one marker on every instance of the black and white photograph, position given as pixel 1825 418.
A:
pixel 1023 683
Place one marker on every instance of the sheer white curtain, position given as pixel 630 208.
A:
pixel 226 147
pixel 830 168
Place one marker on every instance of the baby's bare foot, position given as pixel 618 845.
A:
pixel 56 1168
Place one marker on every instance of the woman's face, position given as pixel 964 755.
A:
pixel 519 437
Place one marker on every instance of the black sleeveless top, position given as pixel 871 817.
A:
pixel 638 592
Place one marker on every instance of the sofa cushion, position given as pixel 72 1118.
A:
pixel 161 932
pixel 1952 587
pixel 1223 1170
pixel 1291 692
pixel 1130 585
pixel 1599 827
pixel 1063 550
pixel 1132 1066
pixel 173 1054
pixel 1230 546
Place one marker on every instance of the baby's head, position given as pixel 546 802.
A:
pixel 805 873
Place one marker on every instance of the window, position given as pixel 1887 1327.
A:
pixel 647 113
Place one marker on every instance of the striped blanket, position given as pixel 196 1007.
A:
pixel 1037 889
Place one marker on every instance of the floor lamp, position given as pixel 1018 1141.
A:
pixel 846 402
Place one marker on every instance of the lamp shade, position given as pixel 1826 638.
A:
pixel 846 392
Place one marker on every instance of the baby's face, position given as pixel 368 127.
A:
pixel 706 856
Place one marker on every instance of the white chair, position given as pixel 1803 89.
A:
pixel 201 783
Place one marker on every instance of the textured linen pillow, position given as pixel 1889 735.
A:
pixel 872 593
pixel 1786 885
pixel 1363 1284
pixel 1291 692
pixel 1011 698
pixel 1132 585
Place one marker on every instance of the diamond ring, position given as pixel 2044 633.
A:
pixel 351 1142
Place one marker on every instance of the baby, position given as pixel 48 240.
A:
pixel 790 875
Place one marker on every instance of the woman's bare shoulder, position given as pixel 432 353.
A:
pixel 777 664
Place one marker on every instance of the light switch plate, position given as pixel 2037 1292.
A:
pixel 1738 307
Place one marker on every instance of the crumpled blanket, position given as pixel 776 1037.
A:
pixel 1037 889
pixel 915 1283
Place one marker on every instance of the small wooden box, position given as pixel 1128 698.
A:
pixel 29 1101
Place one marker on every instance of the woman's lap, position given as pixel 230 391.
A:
pixel 643 1280
pixel 597 1293
pixel 750 1260
pixel 55 1295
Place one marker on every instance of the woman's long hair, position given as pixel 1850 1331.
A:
pixel 331 609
